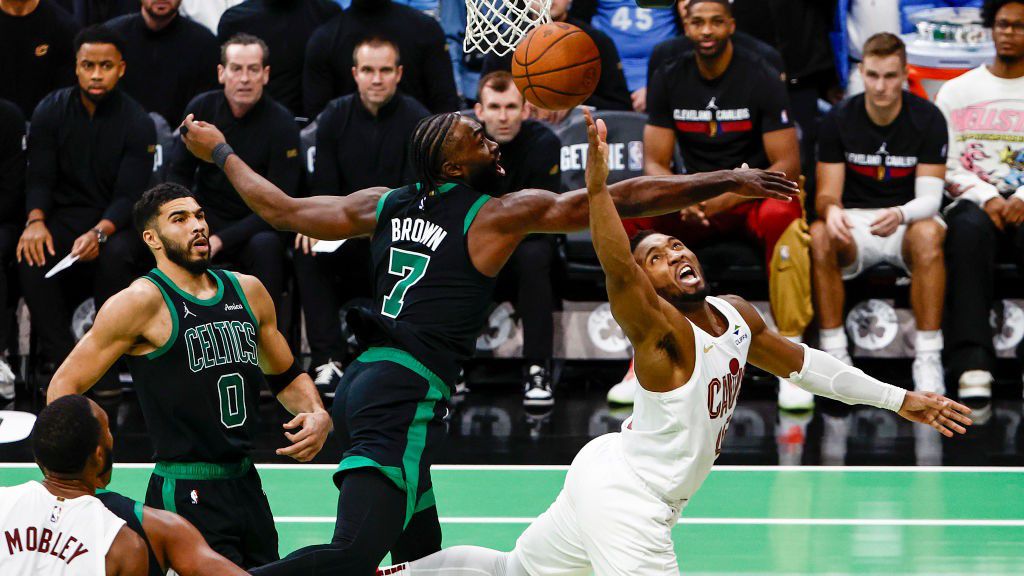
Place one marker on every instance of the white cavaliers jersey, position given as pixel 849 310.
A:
pixel 44 534
pixel 673 438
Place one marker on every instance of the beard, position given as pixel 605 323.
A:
pixel 486 179
pixel 179 255
pixel 686 300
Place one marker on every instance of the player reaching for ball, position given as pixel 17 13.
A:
pixel 624 491
pixel 436 248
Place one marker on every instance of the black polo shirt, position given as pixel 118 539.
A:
pixel 167 67
pixel 12 164
pixel 266 138
pixel 426 65
pixel 356 150
pixel 881 161
pixel 285 25
pixel 38 54
pixel 531 160
pixel 611 92
pixel 97 166
pixel 719 123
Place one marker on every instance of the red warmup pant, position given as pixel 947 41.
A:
pixel 762 221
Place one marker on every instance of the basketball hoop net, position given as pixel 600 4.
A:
pixel 497 26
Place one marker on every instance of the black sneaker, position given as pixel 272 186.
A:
pixel 327 377
pixel 537 388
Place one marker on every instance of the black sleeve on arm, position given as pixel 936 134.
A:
pixel 325 170
pixel 659 110
pixel 135 170
pixel 42 156
pixel 317 75
pixel 773 100
pixel 440 91
pixel 12 162
pixel 830 145
pixel 936 139
pixel 240 231
pixel 182 165
pixel 612 92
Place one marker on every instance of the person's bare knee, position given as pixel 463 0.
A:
pixel 922 244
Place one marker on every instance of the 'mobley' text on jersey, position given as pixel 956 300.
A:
pixel 217 343
pixel 65 547
pixel 417 230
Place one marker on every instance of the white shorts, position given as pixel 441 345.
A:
pixel 871 249
pixel 604 521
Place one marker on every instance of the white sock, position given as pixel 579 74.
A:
pixel 928 342
pixel 461 561
pixel 833 341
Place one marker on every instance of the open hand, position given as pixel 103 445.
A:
pixel 753 183
pixel 937 411
pixel 694 215
pixel 305 244
pixel 306 443
pixel 597 153
pixel 200 138
pixel 34 244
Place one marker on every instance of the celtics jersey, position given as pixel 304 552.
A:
pixel 429 299
pixel 199 391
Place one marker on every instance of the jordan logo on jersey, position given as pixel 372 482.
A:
pixel 216 343
pixel 187 312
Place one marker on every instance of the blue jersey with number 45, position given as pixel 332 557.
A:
pixel 429 298
pixel 635 32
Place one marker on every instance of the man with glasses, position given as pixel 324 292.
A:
pixel 985 112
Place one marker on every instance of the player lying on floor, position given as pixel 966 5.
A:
pixel 624 491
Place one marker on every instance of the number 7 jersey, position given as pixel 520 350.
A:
pixel 429 298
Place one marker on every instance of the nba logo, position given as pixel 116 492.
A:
pixel 194 495
pixel 636 155
pixel 55 514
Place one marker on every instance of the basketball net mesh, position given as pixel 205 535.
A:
pixel 497 26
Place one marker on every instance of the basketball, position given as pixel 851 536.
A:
pixel 556 66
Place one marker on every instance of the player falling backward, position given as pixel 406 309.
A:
pixel 625 491
pixel 436 248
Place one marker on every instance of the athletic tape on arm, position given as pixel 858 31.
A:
pixel 823 375
pixel 927 199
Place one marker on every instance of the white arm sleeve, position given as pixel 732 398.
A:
pixel 927 199
pixel 980 193
pixel 823 375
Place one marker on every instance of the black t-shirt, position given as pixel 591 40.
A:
pixel 12 163
pixel 426 65
pixel 89 12
pixel 38 54
pixel 266 138
pixel 356 150
pixel 530 160
pixel 285 25
pixel 682 47
pixel 881 161
pixel 98 165
pixel 168 67
pixel 719 123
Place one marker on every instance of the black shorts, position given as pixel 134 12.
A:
pixel 226 503
pixel 389 414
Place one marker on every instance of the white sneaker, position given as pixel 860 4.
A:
pixel 975 384
pixel 328 375
pixel 625 391
pixel 928 375
pixel 537 388
pixel 793 397
pixel 6 381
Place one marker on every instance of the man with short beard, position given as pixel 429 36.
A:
pixel 985 168
pixel 90 155
pixel 200 343
pixel 170 59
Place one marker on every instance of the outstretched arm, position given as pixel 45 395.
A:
pixel 179 546
pixel 320 217
pixel 298 396
pixel 821 374
pixel 662 350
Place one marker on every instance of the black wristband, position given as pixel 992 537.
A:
pixel 220 154
pixel 279 382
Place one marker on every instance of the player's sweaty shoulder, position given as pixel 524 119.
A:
pixel 747 311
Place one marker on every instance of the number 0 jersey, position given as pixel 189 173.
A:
pixel 429 298
pixel 199 392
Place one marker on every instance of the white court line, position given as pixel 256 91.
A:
pixel 953 522
pixel 517 468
